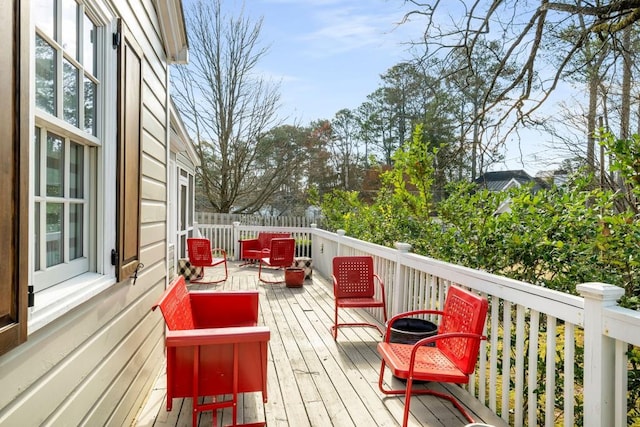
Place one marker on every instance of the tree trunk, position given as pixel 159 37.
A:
pixel 625 110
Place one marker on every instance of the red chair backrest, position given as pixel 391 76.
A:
pixel 282 252
pixel 175 305
pixel 199 252
pixel 464 311
pixel 264 239
pixel 354 276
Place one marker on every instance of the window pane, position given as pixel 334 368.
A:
pixel 76 218
pixel 70 89
pixel 70 27
pixel 90 90
pixel 55 166
pixel 44 16
pixel 183 207
pixel 36 244
pixel 191 202
pixel 55 232
pixel 45 76
pixel 76 171
pixel 36 155
pixel 89 46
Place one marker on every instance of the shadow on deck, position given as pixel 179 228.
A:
pixel 312 379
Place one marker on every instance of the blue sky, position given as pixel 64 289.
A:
pixel 329 54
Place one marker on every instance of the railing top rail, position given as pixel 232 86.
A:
pixel 366 247
pixel 622 324
pixel 258 228
pixel 555 303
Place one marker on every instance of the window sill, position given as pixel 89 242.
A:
pixel 54 302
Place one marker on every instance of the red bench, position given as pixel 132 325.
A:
pixel 214 346
pixel 254 249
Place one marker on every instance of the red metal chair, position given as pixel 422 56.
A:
pixel 354 286
pixel 214 347
pixel 201 255
pixel 251 250
pixel 280 255
pixel 452 359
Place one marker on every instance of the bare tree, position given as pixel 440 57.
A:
pixel 529 31
pixel 344 147
pixel 228 108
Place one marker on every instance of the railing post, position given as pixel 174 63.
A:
pixel 313 226
pixel 340 234
pixel 236 240
pixel 398 283
pixel 599 351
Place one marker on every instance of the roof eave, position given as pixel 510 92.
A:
pixel 180 140
pixel 174 32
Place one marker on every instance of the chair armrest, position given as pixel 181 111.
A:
pixel 265 252
pixel 213 336
pixel 249 244
pixel 224 309
pixel 220 252
pixel 377 279
pixel 439 337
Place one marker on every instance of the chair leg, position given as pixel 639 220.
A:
pixel 251 262
pixel 200 279
pixel 351 325
pixel 407 402
pixel 408 391
pixel 265 280
pixel 334 328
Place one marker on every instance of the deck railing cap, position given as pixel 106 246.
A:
pixel 403 247
pixel 600 291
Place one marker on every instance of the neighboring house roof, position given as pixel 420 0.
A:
pixel 503 180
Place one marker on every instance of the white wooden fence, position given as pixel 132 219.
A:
pixel 259 220
pixel 536 336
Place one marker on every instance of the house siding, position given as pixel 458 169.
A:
pixel 95 364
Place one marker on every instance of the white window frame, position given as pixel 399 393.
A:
pixel 54 301
pixel 189 209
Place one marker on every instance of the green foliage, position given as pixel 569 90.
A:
pixel 625 155
pixel 412 175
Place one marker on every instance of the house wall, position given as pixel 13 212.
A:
pixel 95 364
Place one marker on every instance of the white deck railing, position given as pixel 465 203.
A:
pixel 528 326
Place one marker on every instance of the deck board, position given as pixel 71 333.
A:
pixel 313 380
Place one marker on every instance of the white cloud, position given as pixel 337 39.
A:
pixel 343 28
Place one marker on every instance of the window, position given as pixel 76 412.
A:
pixel 66 63
pixel 65 145
pixel 60 209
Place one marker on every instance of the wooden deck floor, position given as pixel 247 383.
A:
pixel 312 379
